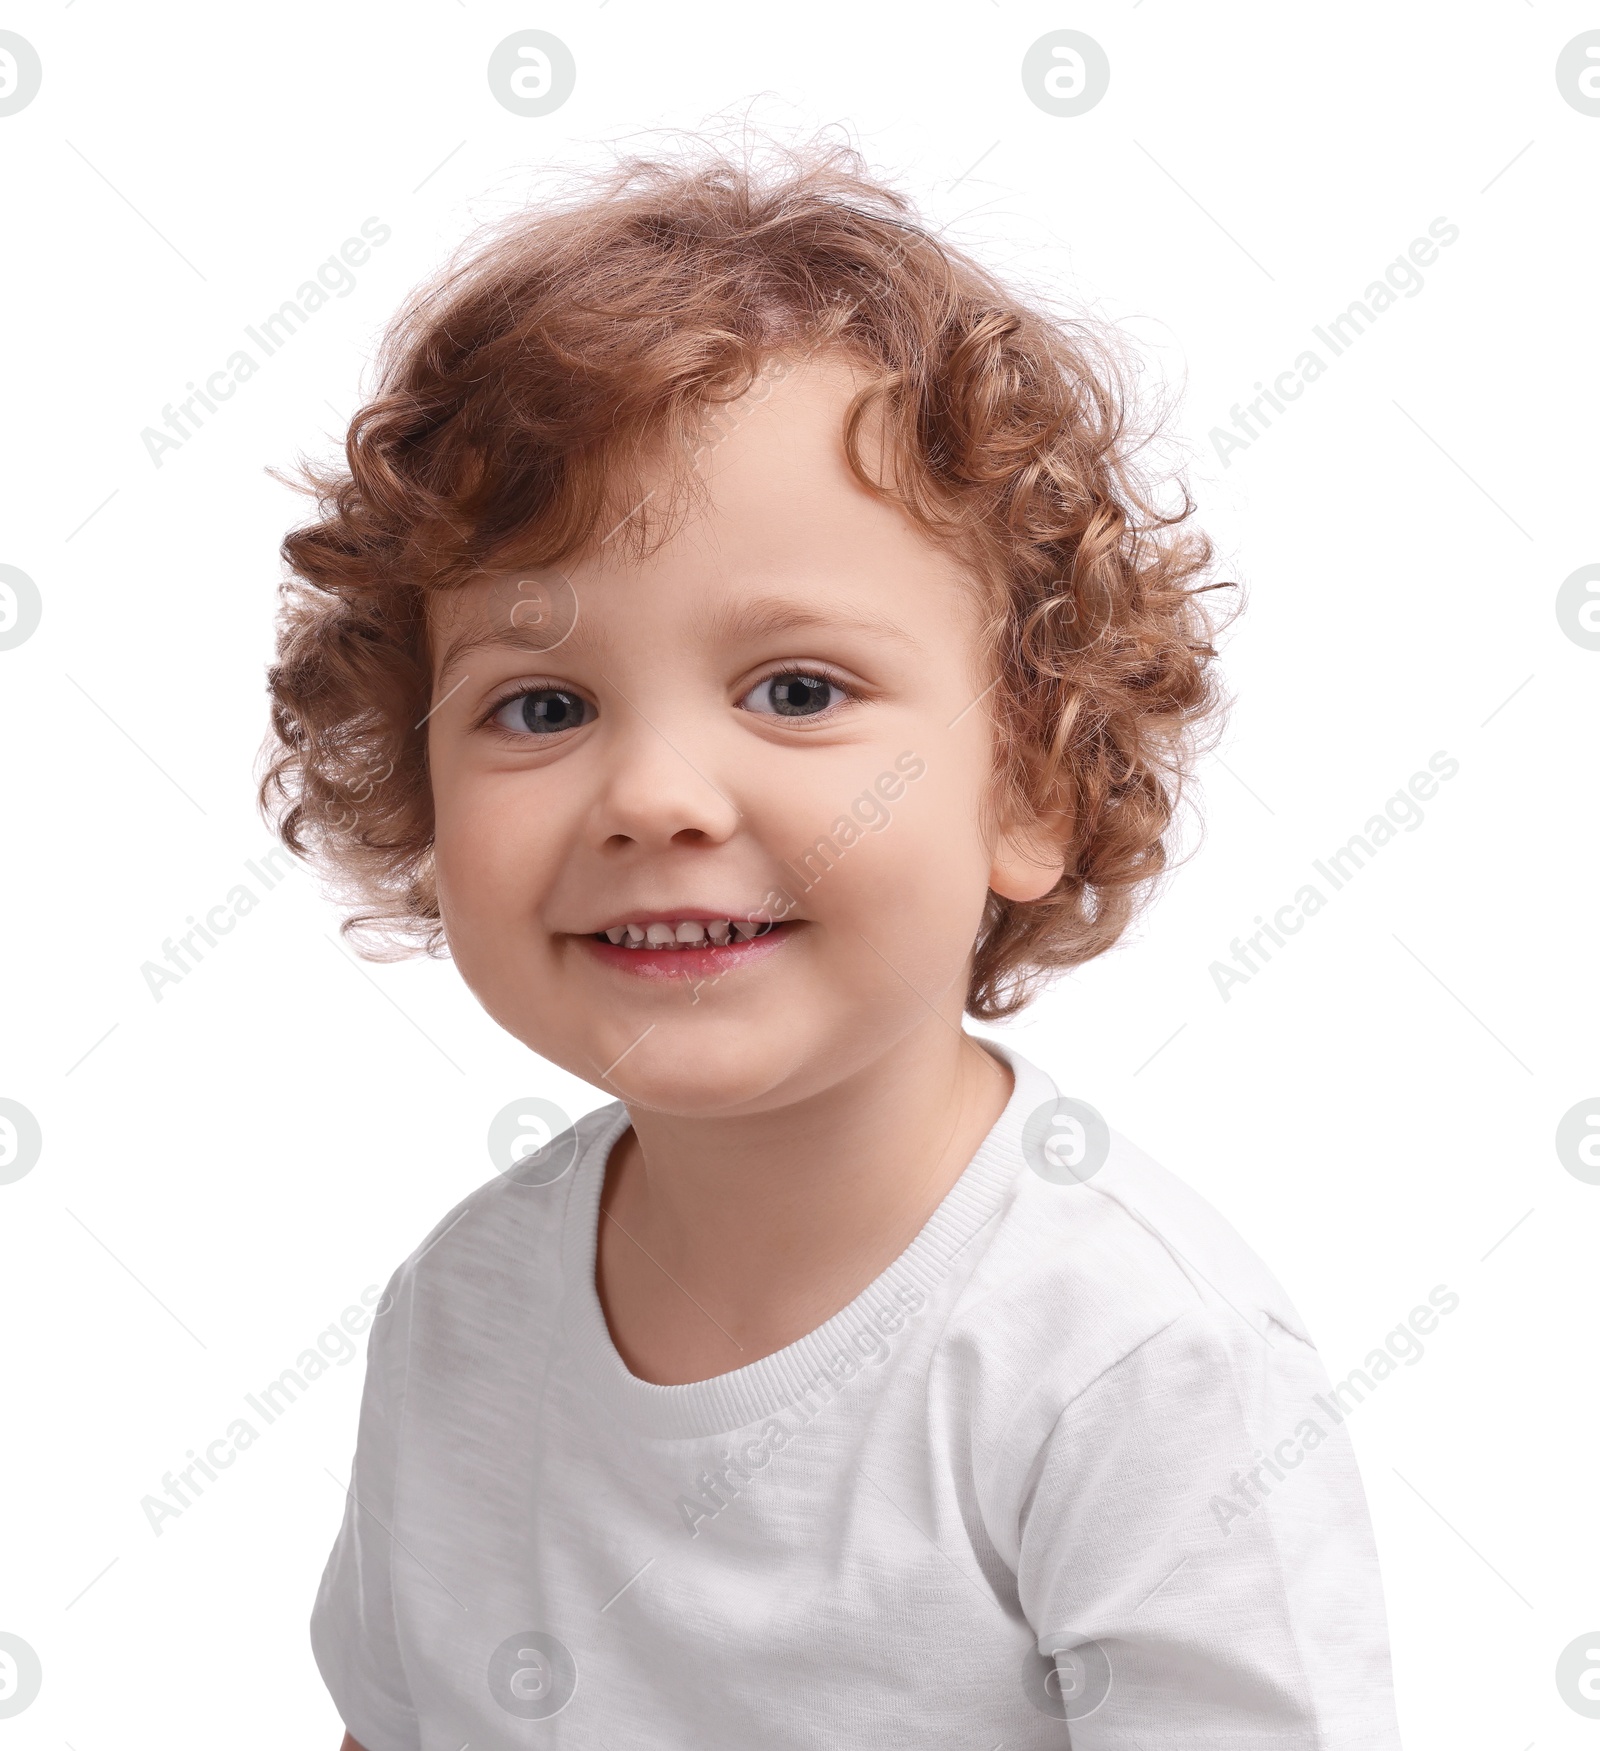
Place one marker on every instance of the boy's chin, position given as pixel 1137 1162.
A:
pixel 706 1073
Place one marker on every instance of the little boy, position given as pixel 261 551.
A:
pixel 742 642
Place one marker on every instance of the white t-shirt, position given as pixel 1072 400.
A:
pixel 1061 1475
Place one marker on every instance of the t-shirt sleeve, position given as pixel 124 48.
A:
pixel 1196 1556
pixel 353 1629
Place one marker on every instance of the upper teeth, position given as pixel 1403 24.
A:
pixel 691 930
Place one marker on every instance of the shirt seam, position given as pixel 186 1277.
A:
pixel 1317 1737
pixel 1089 1386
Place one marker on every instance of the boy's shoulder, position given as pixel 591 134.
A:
pixel 1078 1275
pixel 510 1228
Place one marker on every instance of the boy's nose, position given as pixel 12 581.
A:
pixel 659 789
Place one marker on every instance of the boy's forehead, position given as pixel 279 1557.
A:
pixel 780 536
pixel 541 611
pixel 769 465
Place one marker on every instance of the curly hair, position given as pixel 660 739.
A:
pixel 520 386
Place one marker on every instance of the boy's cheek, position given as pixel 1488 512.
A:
pixel 494 870
pixel 911 892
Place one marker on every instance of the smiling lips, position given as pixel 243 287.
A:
pixel 685 947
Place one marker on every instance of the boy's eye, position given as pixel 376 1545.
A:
pixel 793 694
pixel 543 711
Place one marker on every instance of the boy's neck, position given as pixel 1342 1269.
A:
pixel 723 1240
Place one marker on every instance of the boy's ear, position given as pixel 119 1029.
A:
pixel 1029 860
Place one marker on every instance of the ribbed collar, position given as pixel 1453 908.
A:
pixel 730 1401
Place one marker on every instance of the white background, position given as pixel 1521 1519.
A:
pixel 224 1171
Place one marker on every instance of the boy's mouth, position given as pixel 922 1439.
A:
pixel 685 947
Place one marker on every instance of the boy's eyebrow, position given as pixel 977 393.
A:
pixel 510 637
pixel 729 623
pixel 764 616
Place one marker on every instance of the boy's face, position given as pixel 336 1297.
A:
pixel 778 715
